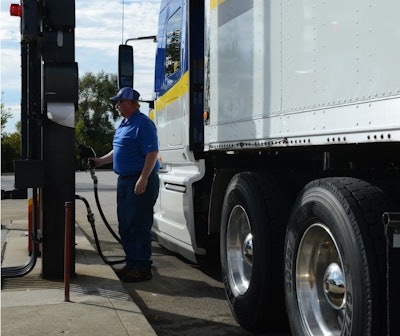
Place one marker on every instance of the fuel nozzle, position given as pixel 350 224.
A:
pixel 85 153
pixel 93 173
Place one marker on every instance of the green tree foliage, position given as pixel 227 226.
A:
pixel 10 144
pixel 5 115
pixel 10 151
pixel 96 115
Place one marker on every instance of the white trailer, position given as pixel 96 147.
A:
pixel 279 129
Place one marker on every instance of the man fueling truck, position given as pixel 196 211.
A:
pixel 279 131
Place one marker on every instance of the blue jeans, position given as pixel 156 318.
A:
pixel 135 218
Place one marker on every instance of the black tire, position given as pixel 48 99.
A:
pixel 335 260
pixel 258 301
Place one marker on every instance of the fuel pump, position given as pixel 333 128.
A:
pixel 49 92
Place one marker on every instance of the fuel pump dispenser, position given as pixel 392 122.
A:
pixel 49 98
pixel 49 92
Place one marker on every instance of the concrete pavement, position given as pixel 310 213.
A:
pixel 99 304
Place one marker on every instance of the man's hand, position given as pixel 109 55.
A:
pixel 141 185
pixel 93 162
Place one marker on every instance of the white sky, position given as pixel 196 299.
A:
pixel 98 33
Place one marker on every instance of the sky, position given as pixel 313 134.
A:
pixel 101 26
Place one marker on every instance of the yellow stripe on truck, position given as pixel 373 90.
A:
pixel 178 90
pixel 215 3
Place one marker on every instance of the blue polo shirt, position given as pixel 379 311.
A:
pixel 133 140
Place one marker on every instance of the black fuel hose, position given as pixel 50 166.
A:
pixel 86 153
pixel 96 196
pixel 91 220
pixel 19 271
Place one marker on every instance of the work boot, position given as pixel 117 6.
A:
pixel 121 271
pixel 135 275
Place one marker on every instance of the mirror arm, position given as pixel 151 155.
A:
pixel 150 102
pixel 152 37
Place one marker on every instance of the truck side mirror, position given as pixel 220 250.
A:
pixel 125 66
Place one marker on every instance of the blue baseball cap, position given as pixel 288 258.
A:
pixel 126 93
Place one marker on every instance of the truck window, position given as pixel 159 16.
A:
pixel 173 45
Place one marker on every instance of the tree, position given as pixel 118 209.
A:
pixel 10 151
pixel 5 115
pixel 10 144
pixel 96 115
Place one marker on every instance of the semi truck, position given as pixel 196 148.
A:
pixel 279 138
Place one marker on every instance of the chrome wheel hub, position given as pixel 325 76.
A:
pixel 320 282
pixel 334 286
pixel 239 251
pixel 248 249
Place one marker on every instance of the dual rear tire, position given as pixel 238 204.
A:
pixel 330 255
pixel 252 235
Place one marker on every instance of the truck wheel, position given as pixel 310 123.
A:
pixel 335 259
pixel 253 227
